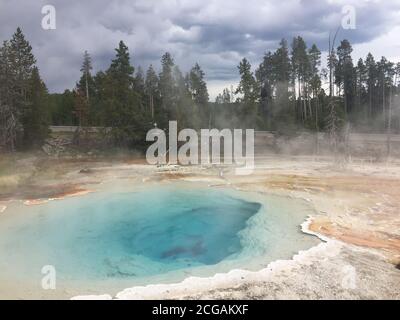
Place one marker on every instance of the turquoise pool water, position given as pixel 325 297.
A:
pixel 149 235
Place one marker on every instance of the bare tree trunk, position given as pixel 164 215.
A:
pixel 299 98
pixel 331 49
pixel 304 102
pixel 294 99
pixel 12 132
pixel 389 126
pixel 370 102
pixel 383 100
pixel 9 128
pixel 309 103
pixel 330 66
pixel 87 88
pixel 152 106
pixel 316 124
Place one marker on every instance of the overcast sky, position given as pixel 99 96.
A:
pixel 215 33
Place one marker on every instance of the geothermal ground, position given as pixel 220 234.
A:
pixel 357 215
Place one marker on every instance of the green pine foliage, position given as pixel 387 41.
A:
pixel 23 96
pixel 36 116
pixel 288 92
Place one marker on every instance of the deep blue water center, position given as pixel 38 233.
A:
pixel 206 233
pixel 129 235
pixel 175 228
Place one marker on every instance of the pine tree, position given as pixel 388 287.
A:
pixel 80 107
pixel 62 109
pixel 121 70
pixel 139 88
pixel 249 93
pixel 9 122
pixel 314 55
pixel 280 69
pixel 86 82
pixel 372 78
pixel 22 64
pixel 22 59
pixel 344 75
pixel 151 90
pixel 199 94
pixel 385 80
pixel 265 82
pixel 139 80
pixel 86 88
pixel 36 117
pixel 224 97
pixel 198 86
pixel 16 67
pixel 166 81
pixel 361 84
pixel 124 113
pixel 301 70
pixel 183 109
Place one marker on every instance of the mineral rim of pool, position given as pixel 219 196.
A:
pixel 152 235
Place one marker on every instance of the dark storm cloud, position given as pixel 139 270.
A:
pixel 217 34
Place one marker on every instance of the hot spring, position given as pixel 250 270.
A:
pixel 118 238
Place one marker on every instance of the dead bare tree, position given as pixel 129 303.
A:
pixel 338 138
pixel 331 61
pixel 332 125
pixel 389 125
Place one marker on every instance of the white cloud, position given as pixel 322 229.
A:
pixel 215 33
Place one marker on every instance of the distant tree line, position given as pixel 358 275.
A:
pixel 130 102
pixel 288 92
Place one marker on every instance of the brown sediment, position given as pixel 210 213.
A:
pixel 74 193
pixel 173 175
pixel 326 184
pixel 372 205
pixel 375 240
pixel 354 208
pixel 35 194
pixel 77 192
